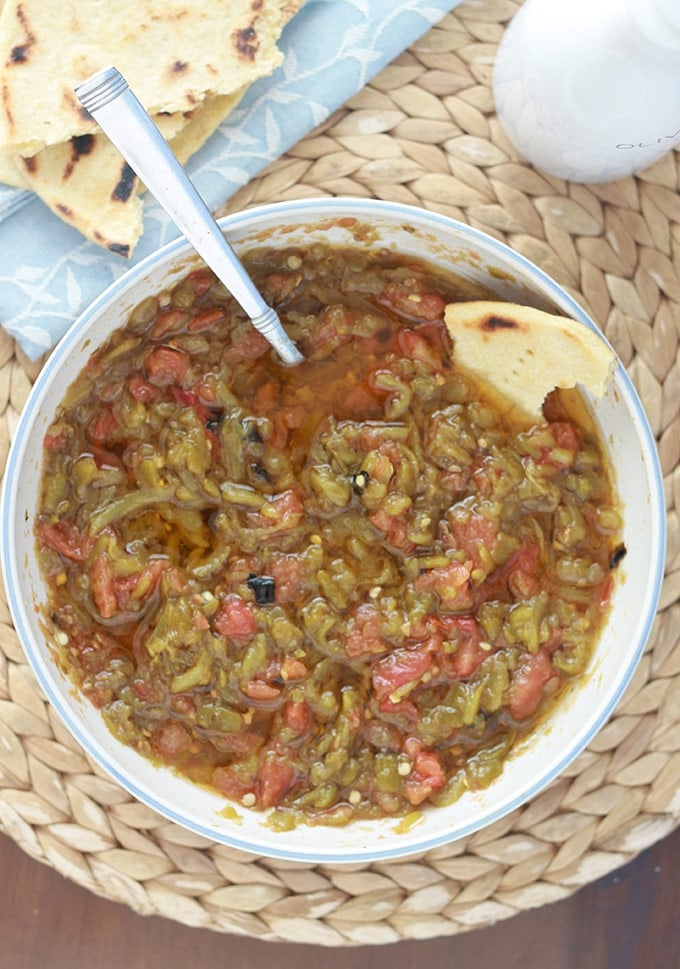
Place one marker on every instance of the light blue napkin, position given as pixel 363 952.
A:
pixel 49 272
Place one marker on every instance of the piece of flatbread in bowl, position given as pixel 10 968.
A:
pixel 527 353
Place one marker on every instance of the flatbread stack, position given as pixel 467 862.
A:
pixel 188 61
pixel 526 353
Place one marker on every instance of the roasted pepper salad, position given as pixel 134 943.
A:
pixel 338 590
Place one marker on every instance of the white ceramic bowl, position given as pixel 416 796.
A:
pixel 575 721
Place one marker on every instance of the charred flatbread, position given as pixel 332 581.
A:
pixel 526 353
pixel 171 52
pixel 82 178
pixel 87 184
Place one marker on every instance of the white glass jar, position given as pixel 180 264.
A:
pixel 589 90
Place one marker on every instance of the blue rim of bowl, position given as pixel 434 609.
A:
pixel 10 567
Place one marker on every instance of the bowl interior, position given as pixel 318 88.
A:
pixel 584 709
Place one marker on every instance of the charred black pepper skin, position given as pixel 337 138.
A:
pixel 264 588
pixel 617 556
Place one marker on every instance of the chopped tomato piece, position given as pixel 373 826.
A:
pixel 201 280
pixel 523 575
pixel 565 435
pixel 102 581
pixel 364 636
pixel 205 388
pixel 261 690
pixel 451 583
pixel 241 744
pixel 464 631
pixel 102 426
pixel 166 365
pixel 561 436
pixel 281 513
pixel 144 690
pixel 183 705
pixel 292 669
pixel 298 716
pixel 235 619
pixel 64 537
pixel 233 783
pixel 288 505
pixel 104 458
pixel 281 284
pixel 402 668
pixel 275 777
pixel 528 684
pixel 410 303
pixel 519 572
pixel 288 573
pixel 171 739
pixel 395 530
pixel 169 321
pixel 141 390
pixel 142 584
pixel 405 710
pixel 174 581
pixel 472 533
pixel 606 590
pixel 413 345
pixel 56 442
pixel 249 345
pixel 426 777
pixel 189 399
pixel 205 319
pixel 333 330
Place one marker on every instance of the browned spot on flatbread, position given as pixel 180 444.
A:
pixel 178 67
pixel 20 53
pixel 170 15
pixel 81 145
pixel 119 248
pixel 5 106
pixel 125 185
pixel 65 210
pixel 492 323
pixel 246 42
pixel 73 104
pixel 30 164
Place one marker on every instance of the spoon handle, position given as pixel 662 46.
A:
pixel 125 121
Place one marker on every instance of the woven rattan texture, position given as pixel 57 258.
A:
pixel 423 132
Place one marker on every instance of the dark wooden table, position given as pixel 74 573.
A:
pixel 627 920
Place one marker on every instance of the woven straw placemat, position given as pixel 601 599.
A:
pixel 422 132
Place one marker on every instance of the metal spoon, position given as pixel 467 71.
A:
pixel 109 99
